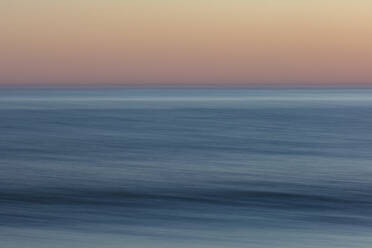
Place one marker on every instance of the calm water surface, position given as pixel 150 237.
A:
pixel 185 168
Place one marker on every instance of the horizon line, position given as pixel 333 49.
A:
pixel 183 85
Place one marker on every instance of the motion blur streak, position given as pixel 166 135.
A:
pixel 185 168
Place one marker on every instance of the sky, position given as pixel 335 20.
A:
pixel 102 42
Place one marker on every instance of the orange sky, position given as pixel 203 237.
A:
pixel 185 42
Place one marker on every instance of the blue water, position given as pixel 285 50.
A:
pixel 185 168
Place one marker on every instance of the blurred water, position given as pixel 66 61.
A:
pixel 185 168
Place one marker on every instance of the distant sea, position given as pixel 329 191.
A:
pixel 188 168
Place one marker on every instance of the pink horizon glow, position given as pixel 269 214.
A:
pixel 168 43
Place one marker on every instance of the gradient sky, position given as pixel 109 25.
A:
pixel 76 42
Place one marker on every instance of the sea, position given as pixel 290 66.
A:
pixel 186 167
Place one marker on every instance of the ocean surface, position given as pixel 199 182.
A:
pixel 188 168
